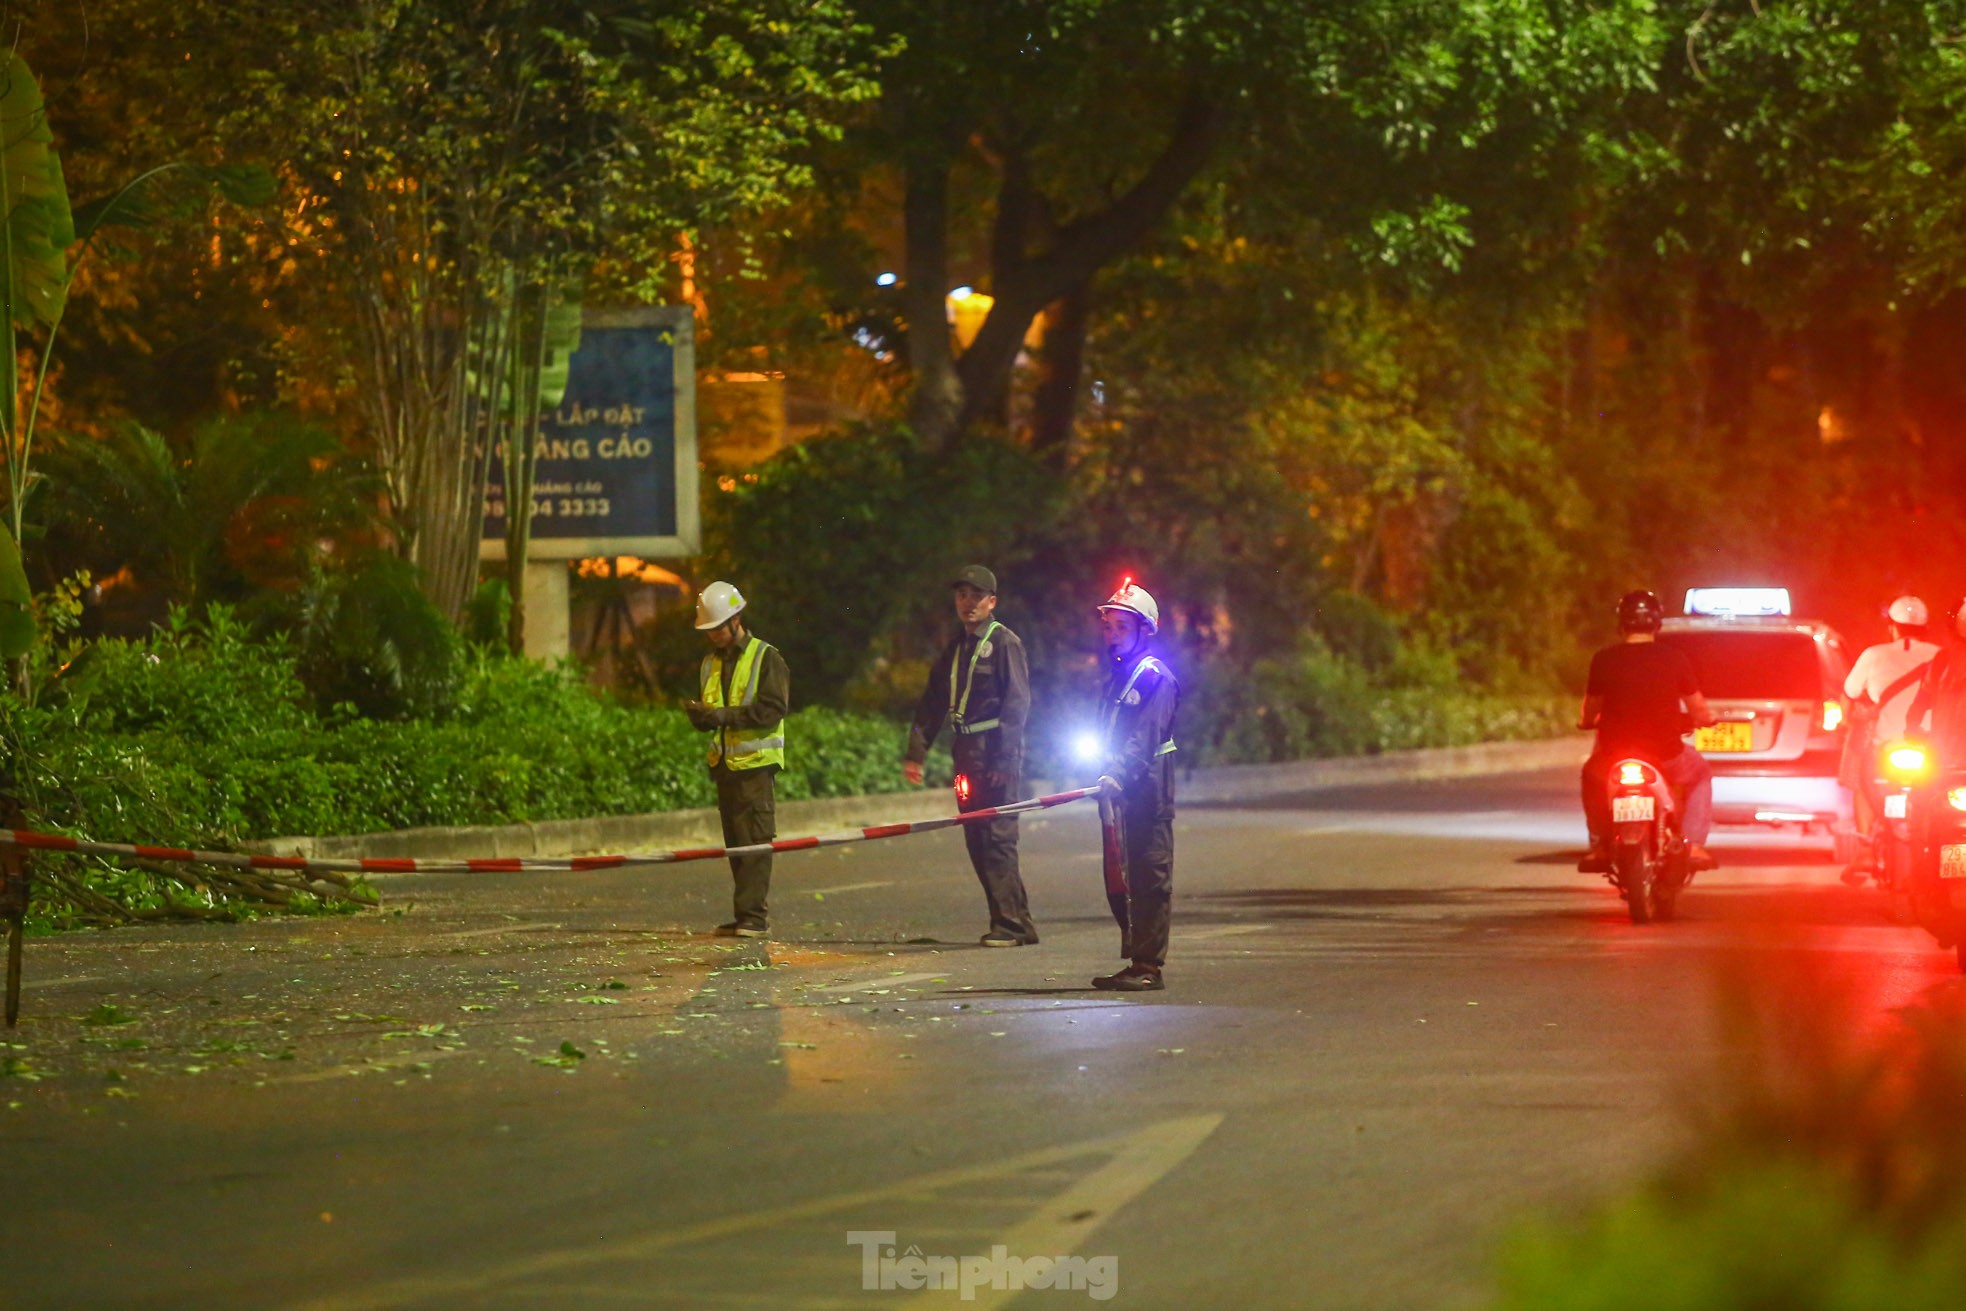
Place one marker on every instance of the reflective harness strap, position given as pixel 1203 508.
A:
pixel 958 708
pixel 754 651
pixel 1113 714
pixel 707 680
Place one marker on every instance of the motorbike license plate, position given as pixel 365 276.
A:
pixel 1894 805
pixel 1952 861
pixel 1732 736
pixel 1630 810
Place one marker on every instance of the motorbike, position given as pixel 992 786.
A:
pixel 1902 768
pixel 1649 863
pixel 1936 846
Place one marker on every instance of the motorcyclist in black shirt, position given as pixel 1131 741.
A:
pixel 1642 698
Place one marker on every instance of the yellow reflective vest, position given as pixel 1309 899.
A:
pixel 742 748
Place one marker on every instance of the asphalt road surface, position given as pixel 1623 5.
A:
pixel 1396 1022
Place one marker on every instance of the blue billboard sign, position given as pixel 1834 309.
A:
pixel 617 460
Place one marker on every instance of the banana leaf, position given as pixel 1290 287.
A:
pixel 40 227
pixel 17 631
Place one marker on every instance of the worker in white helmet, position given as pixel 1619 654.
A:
pixel 747 690
pixel 1140 699
pixel 1881 687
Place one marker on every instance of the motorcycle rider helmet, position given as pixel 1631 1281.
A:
pixel 1640 612
pixel 1909 611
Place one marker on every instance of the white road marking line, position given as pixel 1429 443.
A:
pixel 853 887
pixel 1062 1225
pixel 1223 931
pixel 1136 1161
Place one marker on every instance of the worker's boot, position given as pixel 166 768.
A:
pixel 1134 978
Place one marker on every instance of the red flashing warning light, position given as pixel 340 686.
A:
pixel 1126 582
pixel 962 789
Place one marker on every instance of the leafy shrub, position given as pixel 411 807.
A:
pixel 1315 702
pixel 202 735
pixel 872 524
pixel 199 679
pixel 370 639
pixel 1831 1177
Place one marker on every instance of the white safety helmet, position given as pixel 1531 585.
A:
pixel 1131 596
pixel 1909 610
pixel 716 604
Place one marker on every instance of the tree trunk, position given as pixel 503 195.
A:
pixel 521 449
pixel 415 325
pixel 1061 363
pixel 1077 253
pixel 937 401
pixel 950 393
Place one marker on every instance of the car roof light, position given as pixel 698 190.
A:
pixel 1737 602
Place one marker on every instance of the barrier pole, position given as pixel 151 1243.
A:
pixel 13 905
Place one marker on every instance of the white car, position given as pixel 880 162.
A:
pixel 1776 683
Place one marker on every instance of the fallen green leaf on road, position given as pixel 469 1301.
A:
pixel 19 1067
pixel 569 1057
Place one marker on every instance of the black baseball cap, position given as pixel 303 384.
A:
pixel 976 576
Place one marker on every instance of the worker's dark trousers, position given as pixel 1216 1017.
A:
pixel 993 855
pixel 1145 914
pixel 749 809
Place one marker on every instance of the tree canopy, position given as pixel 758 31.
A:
pixel 1439 318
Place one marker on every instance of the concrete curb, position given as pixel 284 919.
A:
pixel 677 828
pixel 1252 782
pixel 574 837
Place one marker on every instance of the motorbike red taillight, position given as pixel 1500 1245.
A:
pixel 1634 774
pixel 1906 763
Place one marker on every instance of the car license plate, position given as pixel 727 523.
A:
pixel 1894 805
pixel 1632 810
pixel 1731 736
pixel 1952 861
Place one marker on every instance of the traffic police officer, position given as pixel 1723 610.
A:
pixel 747 690
pixel 1140 700
pixel 981 687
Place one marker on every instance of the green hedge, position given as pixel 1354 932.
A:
pixel 205 734
pixel 1316 702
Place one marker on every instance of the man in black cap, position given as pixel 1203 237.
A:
pixel 980 686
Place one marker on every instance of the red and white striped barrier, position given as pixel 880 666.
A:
pixel 31 840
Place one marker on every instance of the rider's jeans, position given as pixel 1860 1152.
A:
pixel 1689 775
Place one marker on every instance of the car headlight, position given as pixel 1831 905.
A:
pixel 1956 798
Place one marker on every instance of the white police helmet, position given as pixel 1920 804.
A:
pixel 1135 598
